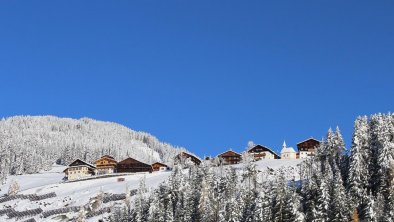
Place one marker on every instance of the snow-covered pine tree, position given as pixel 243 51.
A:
pixel 208 199
pixel 359 162
pixel 385 154
pixel 141 203
pixel 310 180
pixel 323 193
pixel 338 208
pixel 375 143
pixel 292 205
pixel 366 209
pixel 279 198
pixel 249 190
pixel 156 212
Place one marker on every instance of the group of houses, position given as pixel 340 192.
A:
pixel 306 149
pixel 108 165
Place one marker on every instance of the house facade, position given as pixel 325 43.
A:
pixel 131 165
pixel 79 169
pixel 262 152
pixel 159 167
pixel 182 157
pixel 106 165
pixel 307 148
pixel 229 157
pixel 288 153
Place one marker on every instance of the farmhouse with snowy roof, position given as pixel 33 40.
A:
pixel 307 148
pixel 229 157
pixel 183 156
pixel 159 167
pixel 131 165
pixel 262 152
pixel 79 169
pixel 106 165
pixel 287 153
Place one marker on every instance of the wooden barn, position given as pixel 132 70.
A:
pixel 262 152
pixel 183 156
pixel 230 157
pixel 79 169
pixel 307 148
pixel 105 165
pixel 131 165
pixel 159 167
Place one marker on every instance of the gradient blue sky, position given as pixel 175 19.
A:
pixel 206 75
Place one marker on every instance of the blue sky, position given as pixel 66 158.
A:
pixel 206 75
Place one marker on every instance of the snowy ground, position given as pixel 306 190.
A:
pixel 80 193
pixel 290 168
pixel 71 194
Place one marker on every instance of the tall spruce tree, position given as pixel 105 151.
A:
pixel 359 162
pixel 338 207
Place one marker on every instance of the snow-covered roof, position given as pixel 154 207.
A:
pixel 228 151
pixel 162 164
pixel 287 150
pixel 79 162
pixel 310 138
pixel 269 149
pixel 183 152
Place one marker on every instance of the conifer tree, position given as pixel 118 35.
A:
pixel 141 204
pixel 375 144
pixel 322 198
pixel 359 161
pixel 366 209
pixel 338 210
pixel 292 211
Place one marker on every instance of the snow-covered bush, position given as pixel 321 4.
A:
pixel 14 188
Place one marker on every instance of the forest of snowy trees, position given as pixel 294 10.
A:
pixel 29 144
pixel 335 185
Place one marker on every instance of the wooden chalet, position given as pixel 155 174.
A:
pixel 307 148
pixel 131 165
pixel 183 156
pixel 159 167
pixel 106 165
pixel 262 152
pixel 230 157
pixel 79 169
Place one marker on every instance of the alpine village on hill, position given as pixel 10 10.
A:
pixel 106 165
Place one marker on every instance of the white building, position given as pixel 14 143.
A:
pixel 262 152
pixel 308 147
pixel 288 153
pixel 79 169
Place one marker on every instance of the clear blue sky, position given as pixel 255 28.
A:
pixel 206 75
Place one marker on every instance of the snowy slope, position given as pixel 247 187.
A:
pixel 80 193
pixel 268 167
pixel 71 194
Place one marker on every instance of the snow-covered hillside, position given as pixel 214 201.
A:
pixel 29 144
pixel 289 168
pixel 70 194
pixel 81 193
